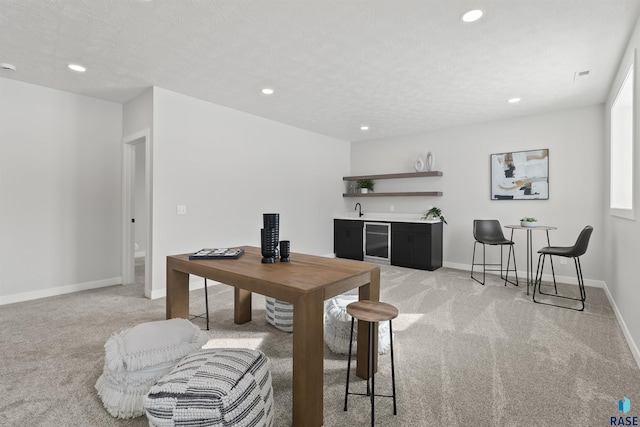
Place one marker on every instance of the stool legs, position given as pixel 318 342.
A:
pixel 484 264
pixel 371 391
pixel 393 371
pixel 346 392
pixel 538 283
pixel 371 374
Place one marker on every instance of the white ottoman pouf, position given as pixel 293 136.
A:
pixel 214 387
pixel 137 357
pixel 279 314
pixel 337 326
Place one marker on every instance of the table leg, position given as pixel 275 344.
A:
pixel 308 359
pixel 553 272
pixel 177 293
pixel 242 306
pixel 514 261
pixel 369 292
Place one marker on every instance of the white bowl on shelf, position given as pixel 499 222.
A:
pixel 529 223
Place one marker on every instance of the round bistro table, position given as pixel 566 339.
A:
pixel 546 228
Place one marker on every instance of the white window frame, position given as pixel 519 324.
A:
pixel 625 153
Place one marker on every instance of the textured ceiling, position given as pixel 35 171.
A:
pixel 398 66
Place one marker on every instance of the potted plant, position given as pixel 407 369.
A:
pixel 434 212
pixel 528 221
pixel 364 185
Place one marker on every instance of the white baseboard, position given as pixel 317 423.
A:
pixel 60 290
pixel 158 293
pixel 456 266
pixel 627 335
pixel 522 275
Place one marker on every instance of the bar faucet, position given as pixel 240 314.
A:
pixel 359 209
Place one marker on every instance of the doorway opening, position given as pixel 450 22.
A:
pixel 136 226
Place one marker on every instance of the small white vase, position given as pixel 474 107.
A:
pixel 430 161
pixel 419 165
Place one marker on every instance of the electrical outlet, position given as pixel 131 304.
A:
pixel 181 210
pixel 563 260
pixel 392 208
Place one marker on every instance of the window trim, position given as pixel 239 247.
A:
pixel 631 73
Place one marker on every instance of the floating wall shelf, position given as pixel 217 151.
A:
pixel 405 193
pixel 394 176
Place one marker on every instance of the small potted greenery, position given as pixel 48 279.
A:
pixel 364 185
pixel 434 213
pixel 528 221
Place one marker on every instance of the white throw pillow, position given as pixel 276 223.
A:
pixel 152 343
pixel 123 392
pixel 136 358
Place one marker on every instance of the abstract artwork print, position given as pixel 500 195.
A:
pixel 520 175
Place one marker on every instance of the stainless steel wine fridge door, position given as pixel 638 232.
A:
pixel 377 242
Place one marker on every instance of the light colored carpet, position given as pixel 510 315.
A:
pixel 465 355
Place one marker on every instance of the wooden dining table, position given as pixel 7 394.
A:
pixel 306 282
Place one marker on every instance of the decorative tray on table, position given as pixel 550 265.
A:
pixel 217 253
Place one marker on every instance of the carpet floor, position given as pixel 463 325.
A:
pixel 465 354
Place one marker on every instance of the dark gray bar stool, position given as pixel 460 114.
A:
pixel 489 232
pixel 371 312
pixel 575 252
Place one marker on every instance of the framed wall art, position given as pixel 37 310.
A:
pixel 520 175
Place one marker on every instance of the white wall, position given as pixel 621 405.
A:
pixel 622 236
pixel 137 113
pixel 575 142
pixel 60 192
pixel 228 168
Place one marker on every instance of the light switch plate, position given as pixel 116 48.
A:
pixel 181 209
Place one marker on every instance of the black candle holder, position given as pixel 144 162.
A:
pixel 285 250
pixel 268 239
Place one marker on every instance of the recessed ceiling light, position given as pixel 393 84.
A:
pixel 364 127
pixel 267 91
pixel 472 15
pixel 78 68
pixel 7 67
pixel 513 100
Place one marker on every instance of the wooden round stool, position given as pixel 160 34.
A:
pixel 371 312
